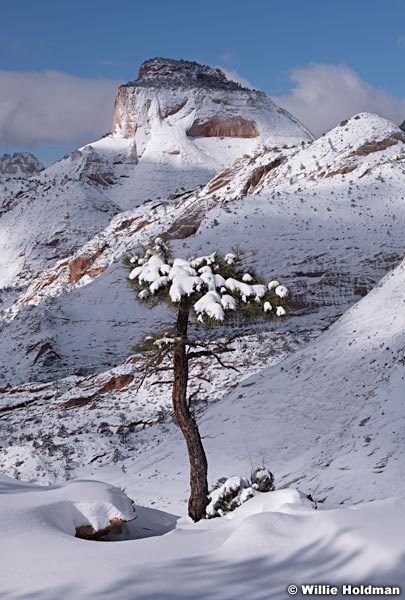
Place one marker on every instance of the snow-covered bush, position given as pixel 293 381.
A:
pixel 228 494
pixel 262 480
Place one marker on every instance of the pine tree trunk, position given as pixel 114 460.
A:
pixel 198 462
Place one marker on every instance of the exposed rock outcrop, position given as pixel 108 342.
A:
pixel 115 383
pixel 80 265
pixel 161 71
pixel 217 127
pixel 47 354
pixel 87 532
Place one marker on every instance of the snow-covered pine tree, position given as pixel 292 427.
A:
pixel 208 289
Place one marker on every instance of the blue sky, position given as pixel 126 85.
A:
pixel 264 41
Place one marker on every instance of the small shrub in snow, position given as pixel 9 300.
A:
pixel 48 444
pixel 262 480
pixel 227 495
pixel 62 432
pixel 123 432
pixel 104 429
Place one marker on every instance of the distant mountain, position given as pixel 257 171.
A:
pixel 174 106
pixel 20 164
pixel 173 128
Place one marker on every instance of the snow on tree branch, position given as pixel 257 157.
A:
pixel 213 285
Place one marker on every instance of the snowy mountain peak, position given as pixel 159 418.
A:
pixel 20 164
pixel 361 128
pixel 174 101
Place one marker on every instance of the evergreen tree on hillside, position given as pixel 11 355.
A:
pixel 208 289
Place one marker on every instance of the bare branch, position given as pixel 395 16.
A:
pixel 141 382
pixel 150 366
pixel 194 394
pixel 210 353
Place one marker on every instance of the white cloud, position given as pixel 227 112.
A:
pixel 112 63
pixel 325 94
pixel 227 57
pixel 53 108
pixel 235 76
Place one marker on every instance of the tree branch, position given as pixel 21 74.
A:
pixel 151 366
pixel 194 394
pixel 199 353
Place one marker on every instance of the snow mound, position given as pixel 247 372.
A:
pixel 270 542
pixel 64 507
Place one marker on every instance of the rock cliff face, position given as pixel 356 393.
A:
pixel 20 164
pixel 216 127
pixel 201 102
pixel 162 71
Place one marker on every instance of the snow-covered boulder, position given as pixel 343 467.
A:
pixel 85 509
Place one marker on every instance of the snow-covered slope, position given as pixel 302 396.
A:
pixel 45 224
pixel 333 412
pixel 272 541
pixel 357 147
pixel 328 233
pixel 330 416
